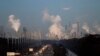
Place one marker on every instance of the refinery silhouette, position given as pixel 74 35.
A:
pixel 74 42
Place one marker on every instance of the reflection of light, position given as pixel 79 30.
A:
pixel 30 49
pixel 42 49
pixel 12 53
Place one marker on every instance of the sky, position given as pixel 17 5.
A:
pixel 30 12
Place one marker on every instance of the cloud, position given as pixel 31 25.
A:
pixel 66 9
pixel 55 19
pixel 51 18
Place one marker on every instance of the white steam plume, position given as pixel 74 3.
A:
pixel 14 23
pixel 55 19
pixel 86 28
pixel 56 29
pixel 97 27
pixel 74 28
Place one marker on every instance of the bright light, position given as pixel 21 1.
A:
pixel 30 49
pixel 12 53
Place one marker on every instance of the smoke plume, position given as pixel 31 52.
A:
pixel 97 27
pixel 86 28
pixel 56 29
pixel 74 28
pixel 14 23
